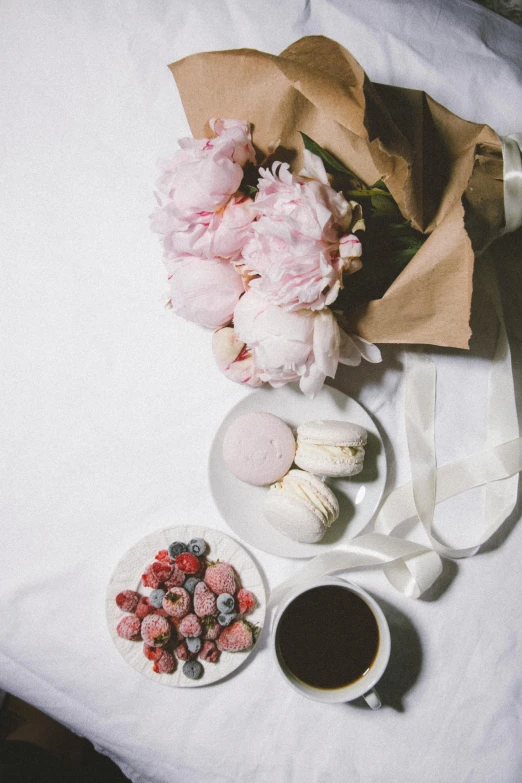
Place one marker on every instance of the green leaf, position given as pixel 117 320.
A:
pixel 381 185
pixel 408 241
pixel 331 164
pixel 383 205
pixel 403 256
pixel 251 190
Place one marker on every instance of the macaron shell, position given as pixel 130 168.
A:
pixel 312 483
pixel 258 448
pixel 332 433
pixel 321 463
pixel 293 518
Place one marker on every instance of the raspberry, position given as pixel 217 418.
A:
pixel 211 628
pixel 144 608
pixel 163 556
pixel 188 563
pixel 162 570
pixel 177 602
pixel 127 600
pixel 245 600
pixel 165 664
pixel 182 652
pixel 221 578
pixel 155 630
pixel 236 637
pixel 204 600
pixel 176 579
pixel 161 611
pixel 209 652
pixel 152 653
pixel 149 578
pixel 190 626
pixel 129 628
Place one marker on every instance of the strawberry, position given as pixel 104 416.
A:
pixel 245 600
pixel 236 637
pixel 177 602
pixel 188 563
pixel 163 556
pixel 204 600
pixel 209 652
pixel 221 578
pixel 190 626
pixel 155 630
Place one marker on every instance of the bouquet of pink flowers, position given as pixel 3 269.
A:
pixel 261 263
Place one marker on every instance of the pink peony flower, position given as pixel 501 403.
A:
pixel 300 345
pixel 206 234
pixel 294 248
pixel 234 358
pixel 204 290
pixel 205 173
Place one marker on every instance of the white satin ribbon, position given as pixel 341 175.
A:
pixel 412 568
pixel 512 154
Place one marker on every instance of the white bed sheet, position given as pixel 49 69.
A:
pixel 110 405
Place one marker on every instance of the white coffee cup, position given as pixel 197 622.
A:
pixel 364 686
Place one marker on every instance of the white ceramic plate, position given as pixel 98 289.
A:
pixel 127 576
pixel 241 505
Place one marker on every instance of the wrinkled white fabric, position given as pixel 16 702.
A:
pixel 110 403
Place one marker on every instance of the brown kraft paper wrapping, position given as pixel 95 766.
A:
pixel 445 173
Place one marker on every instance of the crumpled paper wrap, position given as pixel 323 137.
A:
pixel 445 173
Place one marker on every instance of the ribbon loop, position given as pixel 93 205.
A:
pixel 512 154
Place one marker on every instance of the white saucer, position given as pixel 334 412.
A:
pixel 127 576
pixel 241 505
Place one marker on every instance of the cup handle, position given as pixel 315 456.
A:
pixel 372 699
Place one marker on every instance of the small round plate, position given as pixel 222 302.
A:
pixel 241 505
pixel 127 576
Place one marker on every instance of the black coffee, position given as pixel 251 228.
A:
pixel 328 637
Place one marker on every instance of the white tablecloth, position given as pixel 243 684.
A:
pixel 110 405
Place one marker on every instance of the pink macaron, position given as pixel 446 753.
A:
pixel 258 448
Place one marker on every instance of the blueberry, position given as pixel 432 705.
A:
pixel 156 598
pixel 225 603
pixel 190 584
pixel 197 546
pixel 226 619
pixel 193 670
pixel 176 548
pixel 193 644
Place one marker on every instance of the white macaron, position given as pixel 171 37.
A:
pixel 330 448
pixel 301 506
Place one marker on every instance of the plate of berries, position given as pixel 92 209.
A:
pixel 185 606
